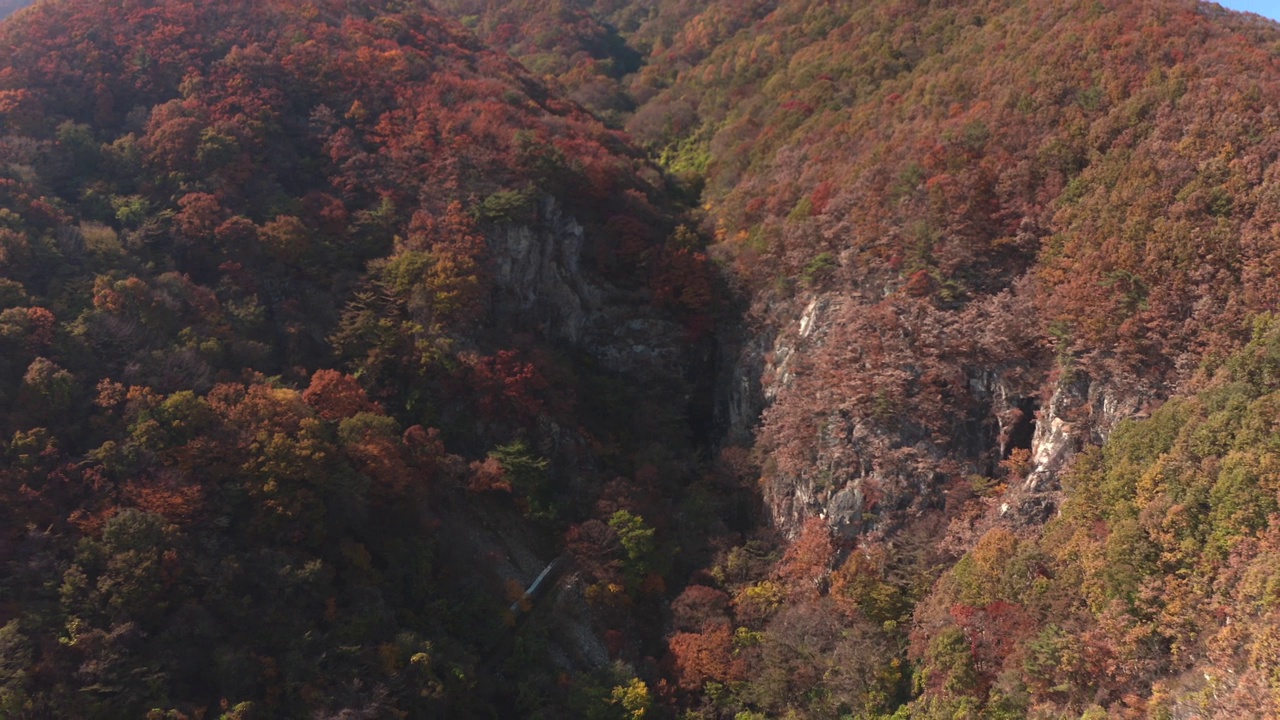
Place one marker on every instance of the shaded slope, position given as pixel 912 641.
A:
pixel 265 355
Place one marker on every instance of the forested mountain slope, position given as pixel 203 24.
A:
pixel 323 320
pixel 1152 593
pixel 1017 186
pixel 973 237
pixel 320 323
pixel 983 233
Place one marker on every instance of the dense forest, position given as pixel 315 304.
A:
pixel 724 359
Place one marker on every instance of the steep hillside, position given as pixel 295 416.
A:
pixel 974 237
pixel 1005 194
pixel 596 49
pixel 327 326
pixel 1153 592
pixel 569 43
pixel 321 324
pixel 1018 186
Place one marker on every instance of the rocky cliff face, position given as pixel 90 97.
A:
pixel 865 468
pixel 1080 411
pixel 542 287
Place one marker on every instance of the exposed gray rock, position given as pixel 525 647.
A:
pixel 542 287
pixel 739 395
pixel 1081 411
pixel 538 273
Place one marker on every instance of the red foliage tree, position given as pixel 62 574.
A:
pixel 507 386
pixel 698 608
pixel 806 566
pixel 335 395
pixel 696 658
